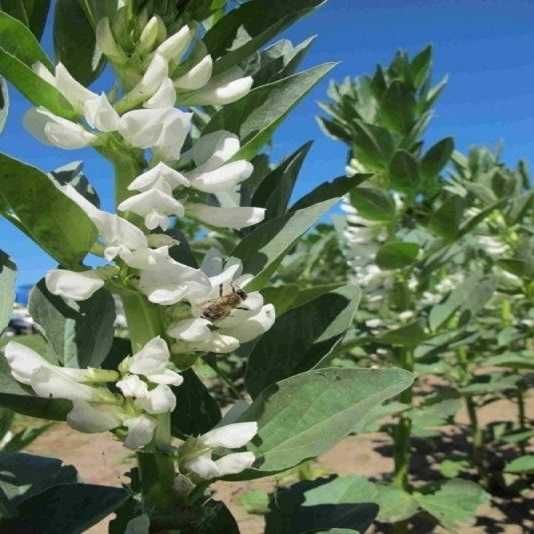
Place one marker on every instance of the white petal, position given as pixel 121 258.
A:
pixel 150 201
pixel 149 34
pixel 235 463
pixel 160 176
pixel 100 114
pixel 72 90
pixel 164 97
pixel 175 45
pixel 118 233
pixel 73 285
pixel 169 377
pixel 159 400
pixel 226 217
pixel 23 361
pixel 190 330
pixel 202 466
pixel 156 73
pixel 224 178
pixel 51 383
pixel 105 41
pixel 152 358
pixel 196 77
pixel 231 436
pixel 140 431
pixel 43 73
pixel 222 90
pixel 254 326
pixel 132 386
pixel 164 129
pixel 85 417
pixel 213 149
pixel 145 258
pixel 53 130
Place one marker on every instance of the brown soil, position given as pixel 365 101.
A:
pixel 102 460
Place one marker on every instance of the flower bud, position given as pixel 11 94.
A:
pixel 149 35
pixel 105 42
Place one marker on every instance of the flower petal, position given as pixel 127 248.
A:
pixel 159 400
pixel 172 48
pixel 160 176
pixel 85 417
pixel 202 466
pixel 73 285
pixel 132 386
pixel 23 361
pixel 100 114
pixel 164 97
pixel 152 358
pixel 190 330
pixel 169 377
pixel 231 436
pixel 235 218
pixel 224 178
pixel 51 383
pixel 196 77
pixel 253 326
pixel 140 431
pixel 213 149
pixel 223 89
pixel 235 463
pixel 71 89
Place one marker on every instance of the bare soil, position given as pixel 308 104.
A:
pixel 100 459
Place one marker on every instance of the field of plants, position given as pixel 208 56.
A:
pixel 215 355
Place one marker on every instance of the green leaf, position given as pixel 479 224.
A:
pixel 19 50
pixel 80 333
pixel 199 412
pixel 454 504
pixel 22 439
pixel 70 507
pixel 436 158
pixel 308 507
pixel 432 414
pixel 246 29
pixel 256 116
pixel 521 465
pixel 397 255
pixel 75 42
pixel 316 328
pixel 421 65
pixel 4 104
pixel 403 172
pixel 27 475
pixel 410 335
pixel 32 13
pixel 213 518
pixel 263 249
pixel 447 219
pixel 8 275
pixel 398 107
pixel 276 188
pixel 255 502
pixel 66 232
pixel 511 361
pixel 373 204
pixel 373 145
pixel 468 299
pixel 305 415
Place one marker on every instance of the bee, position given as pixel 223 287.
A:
pixel 222 307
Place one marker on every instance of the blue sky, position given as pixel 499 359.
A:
pixel 486 47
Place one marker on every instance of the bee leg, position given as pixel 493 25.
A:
pixel 242 308
pixel 220 290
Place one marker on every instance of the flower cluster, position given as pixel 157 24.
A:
pixel 203 309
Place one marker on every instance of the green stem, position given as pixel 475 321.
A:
pixel 477 437
pixel 402 431
pixel 521 415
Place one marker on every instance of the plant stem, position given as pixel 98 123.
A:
pixel 477 437
pixel 521 415
pixel 402 431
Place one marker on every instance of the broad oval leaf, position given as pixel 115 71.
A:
pixel 373 204
pixel 397 255
pixel 302 338
pixel 65 232
pixel 303 416
pixel 403 172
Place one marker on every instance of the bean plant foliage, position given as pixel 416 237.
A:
pixel 189 257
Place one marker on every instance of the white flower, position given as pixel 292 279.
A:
pixel 156 73
pixel 105 42
pixel 153 362
pixel 163 130
pixel 154 401
pixel 212 150
pixel 140 431
pixel 175 45
pixel 52 381
pixel 196 77
pixel 232 436
pixel 53 130
pixel 164 97
pixel 155 206
pixel 73 285
pixel 93 418
pixel 167 281
pixel 161 176
pixel 223 89
pixel 100 114
pixel 238 324
pixel 222 179
pixel 235 218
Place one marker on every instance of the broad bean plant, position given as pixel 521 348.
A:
pixel 193 97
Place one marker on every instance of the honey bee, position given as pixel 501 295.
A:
pixel 222 307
